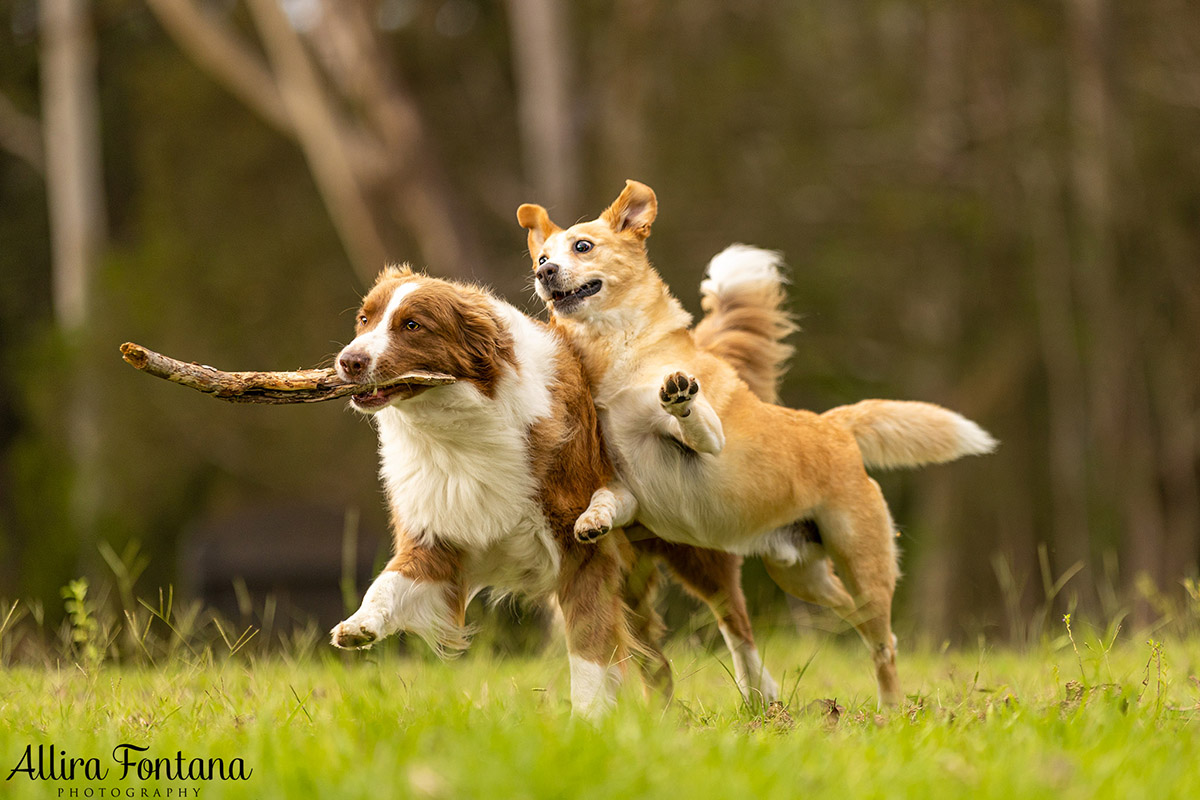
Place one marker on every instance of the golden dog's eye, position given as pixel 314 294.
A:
pixel 411 325
pixel 362 319
pixel 582 246
pixel 541 260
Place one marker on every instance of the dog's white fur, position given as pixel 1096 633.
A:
pixel 456 465
pixel 460 460
pixel 740 265
pixel 593 686
pixel 394 603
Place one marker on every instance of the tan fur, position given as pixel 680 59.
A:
pixel 905 433
pixel 712 464
pixel 745 327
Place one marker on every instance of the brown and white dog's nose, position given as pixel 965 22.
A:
pixel 352 365
pixel 546 272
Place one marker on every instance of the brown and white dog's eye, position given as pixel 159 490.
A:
pixel 583 245
pixel 411 325
pixel 362 319
pixel 541 260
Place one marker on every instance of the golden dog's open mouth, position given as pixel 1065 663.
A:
pixel 566 302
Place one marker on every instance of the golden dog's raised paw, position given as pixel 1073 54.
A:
pixel 352 636
pixel 592 524
pixel 677 393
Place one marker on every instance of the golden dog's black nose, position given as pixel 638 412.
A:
pixel 546 272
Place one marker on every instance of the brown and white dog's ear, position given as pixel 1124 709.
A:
pixel 535 219
pixel 393 271
pixel 633 211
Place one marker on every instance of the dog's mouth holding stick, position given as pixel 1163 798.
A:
pixel 382 396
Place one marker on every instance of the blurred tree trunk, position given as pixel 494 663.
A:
pixel 77 225
pixel 544 72
pixel 622 66
pixel 1057 323
pixel 940 565
pixel 1120 406
pixel 409 180
pixel 316 128
pixel 1094 268
pixel 364 137
pixel 21 135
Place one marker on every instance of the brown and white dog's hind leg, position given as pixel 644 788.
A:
pixel 611 506
pixel 589 593
pixel 715 577
pixel 692 419
pixel 417 591
pixel 642 582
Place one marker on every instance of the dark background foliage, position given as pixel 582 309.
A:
pixel 993 207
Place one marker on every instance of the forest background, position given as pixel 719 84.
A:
pixel 995 207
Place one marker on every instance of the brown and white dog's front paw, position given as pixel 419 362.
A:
pixel 593 523
pixel 353 635
pixel 677 393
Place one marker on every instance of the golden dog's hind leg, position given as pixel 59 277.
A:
pixel 813 581
pixel 860 538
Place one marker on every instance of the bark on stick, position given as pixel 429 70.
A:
pixel 301 386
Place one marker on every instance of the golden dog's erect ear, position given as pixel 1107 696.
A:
pixel 537 222
pixel 633 211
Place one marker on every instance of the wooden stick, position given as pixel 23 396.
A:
pixel 301 386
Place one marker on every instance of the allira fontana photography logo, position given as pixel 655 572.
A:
pixel 128 762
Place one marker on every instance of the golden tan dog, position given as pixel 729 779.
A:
pixel 701 460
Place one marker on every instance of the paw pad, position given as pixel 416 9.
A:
pixel 678 389
pixel 589 535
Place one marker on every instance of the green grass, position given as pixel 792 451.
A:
pixel 1066 721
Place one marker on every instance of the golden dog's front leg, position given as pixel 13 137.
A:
pixel 612 506
pixel 693 421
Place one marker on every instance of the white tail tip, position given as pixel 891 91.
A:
pixel 974 440
pixel 741 265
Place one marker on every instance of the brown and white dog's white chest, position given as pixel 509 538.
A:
pixel 457 467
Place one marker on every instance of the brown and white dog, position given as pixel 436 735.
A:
pixel 486 476
pixel 701 459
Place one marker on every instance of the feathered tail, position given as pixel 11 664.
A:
pixel 902 433
pixel 744 322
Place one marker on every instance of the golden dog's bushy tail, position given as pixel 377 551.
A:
pixel 744 321
pixel 902 433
